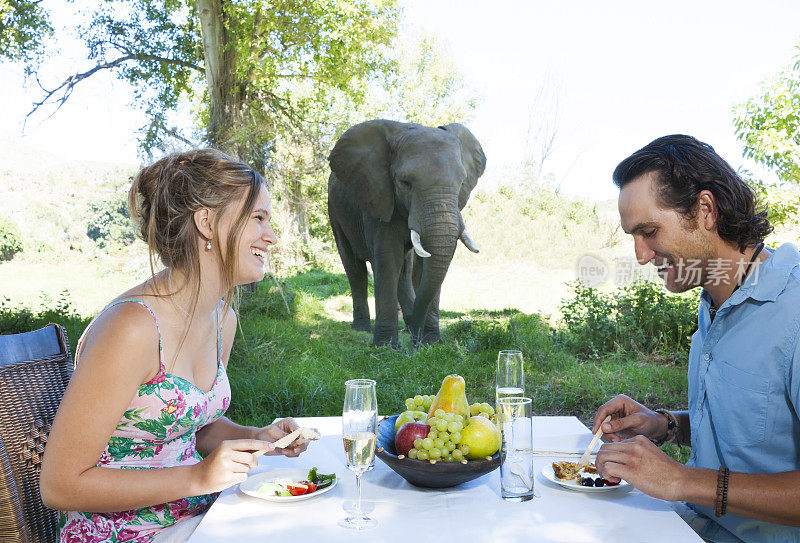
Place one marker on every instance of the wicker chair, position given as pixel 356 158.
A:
pixel 35 368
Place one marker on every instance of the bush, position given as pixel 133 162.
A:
pixel 639 318
pixel 109 222
pixel 10 239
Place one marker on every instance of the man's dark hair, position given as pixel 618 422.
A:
pixel 686 166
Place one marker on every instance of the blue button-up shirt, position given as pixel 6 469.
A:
pixel 744 384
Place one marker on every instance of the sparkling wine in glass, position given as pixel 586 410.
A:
pixel 359 432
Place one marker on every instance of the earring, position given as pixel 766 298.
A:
pixel 208 245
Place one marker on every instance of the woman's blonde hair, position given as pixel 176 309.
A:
pixel 165 195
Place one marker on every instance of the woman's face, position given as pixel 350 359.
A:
pixel 256 236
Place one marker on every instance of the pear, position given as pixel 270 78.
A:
pixel 451 398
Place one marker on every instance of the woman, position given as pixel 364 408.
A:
pixel 150 389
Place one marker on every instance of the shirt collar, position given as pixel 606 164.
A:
pixel 766 281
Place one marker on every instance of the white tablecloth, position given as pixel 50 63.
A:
pixel 470 512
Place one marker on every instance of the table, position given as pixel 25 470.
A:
pixel 470 512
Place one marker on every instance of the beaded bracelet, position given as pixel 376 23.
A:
pixel 672 428
pixel 721 502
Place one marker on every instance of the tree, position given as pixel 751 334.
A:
pixel 769 127
pixel 24 27
pixel 237 60
pixel 427 87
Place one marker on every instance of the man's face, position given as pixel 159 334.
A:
pixel 678 248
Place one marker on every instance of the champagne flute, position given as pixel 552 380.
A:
pixel 359 432
pixel 510 375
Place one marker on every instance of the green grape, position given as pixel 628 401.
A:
pixel 426 402
pixel 474 409
pixel 448 458
pixel 418 400
pixel 432 421
pixel 444 436
pixel 449 417
pixel 427 443
pixel 410 404
pixel 455 437
pixel 433 433
pixel 484 414
pixel 454 427
pixel 418 443
pixel 460 418
pixel 434 454
pixel 450 446
pixel 412 453
pixel 457 455
pixel 441 425
pixel 422 455
pixel 464 448
pixel 487 408
pixel 439 413
pixel 438 443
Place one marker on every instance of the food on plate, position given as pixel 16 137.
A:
pixel 305 434
pixel 567 471
pixel 451 398
pixel 286 487
pixel 320 479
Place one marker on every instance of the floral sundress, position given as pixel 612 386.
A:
pixel 156 431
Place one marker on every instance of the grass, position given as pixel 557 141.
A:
pixel 297 364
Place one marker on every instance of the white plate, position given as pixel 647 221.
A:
pixel 547 473
pixel 254 482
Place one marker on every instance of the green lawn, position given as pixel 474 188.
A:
pixel 297 365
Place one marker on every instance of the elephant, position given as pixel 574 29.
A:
pixel 395 188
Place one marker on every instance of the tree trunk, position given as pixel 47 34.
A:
pixel 220 63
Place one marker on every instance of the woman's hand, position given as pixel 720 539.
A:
pixel 229 463
pixel 645 466
pixel 629 418
pixel 275 431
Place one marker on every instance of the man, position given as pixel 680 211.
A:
pixel 695 219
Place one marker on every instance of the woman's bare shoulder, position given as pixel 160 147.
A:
pixel 124 333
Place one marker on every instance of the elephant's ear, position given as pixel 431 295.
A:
pixel 361 160
pixel 471 156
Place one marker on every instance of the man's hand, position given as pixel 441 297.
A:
pixel 283 427
pixel 629 418
pixel 645 466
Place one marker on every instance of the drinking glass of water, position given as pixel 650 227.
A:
pixel 510 376
pixel 359 432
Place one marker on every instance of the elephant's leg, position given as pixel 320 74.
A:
pixel 356 271
pixel 430 331
pixel 387 264
pixel 358 278
pixel 405 291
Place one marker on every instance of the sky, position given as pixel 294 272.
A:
pixel 624 73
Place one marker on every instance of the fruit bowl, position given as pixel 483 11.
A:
pixel 422 472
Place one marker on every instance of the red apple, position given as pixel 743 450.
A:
pixel 404 439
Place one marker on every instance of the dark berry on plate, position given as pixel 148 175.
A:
pixel 587 481
pixel 599 482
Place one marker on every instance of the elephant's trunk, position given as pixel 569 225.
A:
pixel 440 233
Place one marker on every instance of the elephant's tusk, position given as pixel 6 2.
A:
pixel 467 241
pixel 418 248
